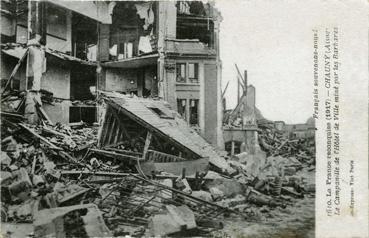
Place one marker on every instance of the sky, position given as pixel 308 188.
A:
pixel 272 40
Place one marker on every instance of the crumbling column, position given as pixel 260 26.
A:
pixel 166 28
pixel 249 117
pixel 249 121
pixel 36 61
pixel 36 66
pixel 169 82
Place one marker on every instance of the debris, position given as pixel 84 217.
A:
pixel 206 196
pixel 70 192
pixel 177 219
pixel 136 188
pixel 227 187
pixel 21 185
pixel 39 137
pixel 168 183
pixel 21 213
pixel 74 221
pixel 182 184
pixel 4 159
pixel 135 167
pixel 191 166
pixel 216 194
pixel 233 202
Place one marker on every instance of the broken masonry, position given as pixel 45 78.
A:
pixel 144 171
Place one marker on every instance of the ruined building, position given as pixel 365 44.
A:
pixel 162 49
pixel 297 131
pixel 240 129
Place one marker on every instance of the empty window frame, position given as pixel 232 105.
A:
pixel 181 72
pixel 84 37
pixel 194 112
pixel 181 107
pixel 187 73
pixel 56 22
pixel 193 72
pixel 84 113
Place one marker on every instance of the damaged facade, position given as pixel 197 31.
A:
pixel 163 49
pixel 110 114
pixel 240 127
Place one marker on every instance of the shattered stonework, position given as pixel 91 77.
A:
pixel 111 125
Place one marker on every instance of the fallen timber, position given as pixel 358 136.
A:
pixel 60 175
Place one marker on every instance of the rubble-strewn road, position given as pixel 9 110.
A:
pixel 296 221
pixel 57 181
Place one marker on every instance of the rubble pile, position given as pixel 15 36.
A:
pixel 50 178
pixel 65 182
pixel 275 144
pixel 75 139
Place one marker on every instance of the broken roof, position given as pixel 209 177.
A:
pixel 158 117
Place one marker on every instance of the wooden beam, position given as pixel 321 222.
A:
pixel 67 172
pixel 113 174
pixel 126 152
pixel 70 158
pixel 225 89
pixel 109 129
pixel 115 155
pixel 147 144
pixel 21 104
pixel 239 72
pixel 15 70
pixel 215 205
pixel 121 125
pixel 160 157
pixel 101 132
pixel 117 135
pixel 12 114
pixel 42 112
pixel 112 131
pixel 105 128
pixel 239 83
pixel 54 132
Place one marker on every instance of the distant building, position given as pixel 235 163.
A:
pixel 298 131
